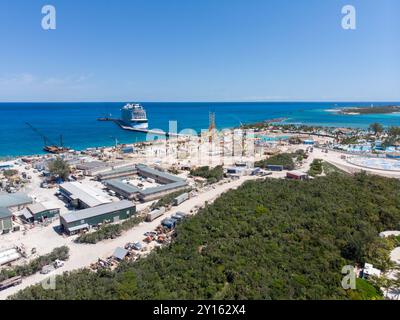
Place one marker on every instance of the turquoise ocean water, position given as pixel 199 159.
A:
pixel 78 124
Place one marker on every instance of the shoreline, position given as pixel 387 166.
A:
pixel 83 132
pixel 111 146
pixel 365 110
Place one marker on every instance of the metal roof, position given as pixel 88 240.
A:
pixel 43 206
pixel 120 253
pixel 92 165
pixel 298 173
pixel 182 196
pixel 86 194
pixel 5 213
pixel 128 188
pixel 8 200
pixel 36 208
pixel 77 228
pixel 26 214
pixel 167 176
pixel 74 216
pixel 145 192
pixel 165 187
pixel 126 169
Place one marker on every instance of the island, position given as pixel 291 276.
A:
pixel 369 110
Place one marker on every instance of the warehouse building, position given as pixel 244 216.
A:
pixel 14 200
pixel 150 194
pixel 5 220
pixel 159 176
pixel 126 190
pixel 93 168
pixel 40 211
pixel 170 183
pixel 77 221
pixel 82 196
pixel 118 173
pixel 131 192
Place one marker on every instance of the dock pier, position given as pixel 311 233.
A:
pixel 121 124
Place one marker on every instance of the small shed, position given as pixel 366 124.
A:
pixel 297 175
pixel 309 142
pixel 128 149
pixel 120 253
pixel 273 167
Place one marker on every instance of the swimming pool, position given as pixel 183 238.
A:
pixel 375 163
pixel 277 138
pixel 358 148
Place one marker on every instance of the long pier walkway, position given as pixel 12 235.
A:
pixel 122 125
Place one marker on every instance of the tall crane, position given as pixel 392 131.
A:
pixel 211 127
pixel 49 146
pixel 46 140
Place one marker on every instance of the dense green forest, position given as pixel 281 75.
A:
pixel 282 159
pixel 211 174
pixel 269 239
pixel 316 167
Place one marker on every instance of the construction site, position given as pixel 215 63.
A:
pixel 150 181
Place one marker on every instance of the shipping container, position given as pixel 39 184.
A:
pixel 155 214
pixel 272 167
pixel 180 199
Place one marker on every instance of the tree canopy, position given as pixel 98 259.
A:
pixel 60 168
pixel 376 128
pixel 283 159
pixel 211 174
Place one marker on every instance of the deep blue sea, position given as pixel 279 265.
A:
pixel 78 124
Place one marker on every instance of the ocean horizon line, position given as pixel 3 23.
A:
pixel 202 102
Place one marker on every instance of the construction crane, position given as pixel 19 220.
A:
pixel 49 146
pixel 211 127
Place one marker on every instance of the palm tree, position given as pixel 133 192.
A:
pixel 376 127
pixel 394 132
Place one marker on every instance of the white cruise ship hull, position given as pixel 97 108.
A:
pixel 139 125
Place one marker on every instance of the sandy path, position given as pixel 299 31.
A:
pixel 82 255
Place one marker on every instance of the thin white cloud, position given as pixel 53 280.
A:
pixel 29 87
pixel 17 79
pixel 30 79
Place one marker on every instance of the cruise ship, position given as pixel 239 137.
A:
pixel 135 116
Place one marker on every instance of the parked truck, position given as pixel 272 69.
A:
pixel 273 167
pixel 10 282
pixel 155 214
pixel 169 223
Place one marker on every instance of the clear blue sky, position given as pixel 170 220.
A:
pixel 199 50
